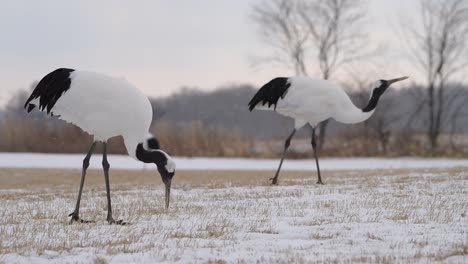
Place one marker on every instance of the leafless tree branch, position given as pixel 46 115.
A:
pixel 439 48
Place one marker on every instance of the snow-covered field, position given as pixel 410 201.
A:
pixel 375 216
pixel 73 161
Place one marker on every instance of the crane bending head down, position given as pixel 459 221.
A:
pixel 105 107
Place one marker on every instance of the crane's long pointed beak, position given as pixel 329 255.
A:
pixel 168 193
pixel 397 79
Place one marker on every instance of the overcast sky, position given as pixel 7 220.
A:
pixel 159 46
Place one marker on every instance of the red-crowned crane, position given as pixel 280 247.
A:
pixel 105 107
pixel 311 101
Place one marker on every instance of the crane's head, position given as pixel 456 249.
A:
pixel 379 88
pixel 149 152
pixel 384 84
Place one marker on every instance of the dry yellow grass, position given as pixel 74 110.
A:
pixel 67 178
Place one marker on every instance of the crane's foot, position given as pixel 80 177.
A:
pixel 111 221
pixel 274 181
pixel 320 182
pixel 76 218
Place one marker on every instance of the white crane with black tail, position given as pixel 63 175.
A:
pixel 311 101
pixel 105 107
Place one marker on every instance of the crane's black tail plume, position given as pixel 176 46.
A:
pixel 271 93
pixel 49 89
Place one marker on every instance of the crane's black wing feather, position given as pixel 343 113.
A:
pixel 271 92
pixel 49 89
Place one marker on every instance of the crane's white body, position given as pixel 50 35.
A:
pixel 105 107
pixel 310 100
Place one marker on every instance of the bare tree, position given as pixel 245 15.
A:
pixel 327 34
pixel 281 25
pixel 335 30
pixel 439 48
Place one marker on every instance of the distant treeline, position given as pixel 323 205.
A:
pixel 218 123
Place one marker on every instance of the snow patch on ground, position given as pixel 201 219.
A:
pixel 393 218
pixel 73 161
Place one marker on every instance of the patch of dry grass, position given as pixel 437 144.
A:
pixel 29 179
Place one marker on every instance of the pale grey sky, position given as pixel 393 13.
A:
pixel 158 45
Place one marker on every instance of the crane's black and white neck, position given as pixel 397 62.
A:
pixel 310 101
pixel 104 107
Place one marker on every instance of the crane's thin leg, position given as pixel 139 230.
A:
pixel 106 166
pixel 75 214
pixel 274 180
pixel 314 147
